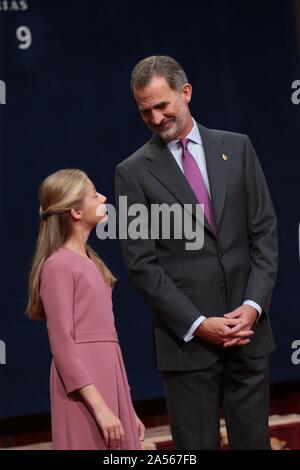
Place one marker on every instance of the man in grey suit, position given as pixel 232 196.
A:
pixel 212 330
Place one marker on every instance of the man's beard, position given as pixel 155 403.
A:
pixel 176 127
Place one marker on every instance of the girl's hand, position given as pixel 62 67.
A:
pixel 111 428
pixel 141 427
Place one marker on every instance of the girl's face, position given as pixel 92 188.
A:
pixel 94 208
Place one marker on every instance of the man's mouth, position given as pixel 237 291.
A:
pixel 164 125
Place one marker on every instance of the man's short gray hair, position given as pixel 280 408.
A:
pixel 159 66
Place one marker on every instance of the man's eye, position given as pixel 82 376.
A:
pixel 162 106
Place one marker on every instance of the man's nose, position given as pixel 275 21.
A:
pixel 156 117
pixel 103 198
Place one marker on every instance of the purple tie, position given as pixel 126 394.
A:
pixel 194 176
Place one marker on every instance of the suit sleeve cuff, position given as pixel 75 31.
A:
pixel 190 334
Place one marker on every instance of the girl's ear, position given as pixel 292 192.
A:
pixel 76 213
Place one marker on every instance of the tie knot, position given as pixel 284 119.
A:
pixel 184 143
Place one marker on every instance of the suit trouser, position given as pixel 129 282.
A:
pixel 238 383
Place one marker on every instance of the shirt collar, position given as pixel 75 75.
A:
pixel 194 136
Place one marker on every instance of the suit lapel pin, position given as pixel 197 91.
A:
pixel 224 157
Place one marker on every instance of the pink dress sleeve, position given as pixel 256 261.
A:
pixel 57 295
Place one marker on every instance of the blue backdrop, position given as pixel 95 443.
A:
pixel 66 65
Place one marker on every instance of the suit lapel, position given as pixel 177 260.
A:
pixel 166 170
pixel 217 169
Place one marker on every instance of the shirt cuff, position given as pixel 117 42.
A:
pixel 254 305
pixel 190 334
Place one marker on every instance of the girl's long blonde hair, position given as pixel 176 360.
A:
pixel 58 194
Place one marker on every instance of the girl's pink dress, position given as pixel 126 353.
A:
pixel 85 350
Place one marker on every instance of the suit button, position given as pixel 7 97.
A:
pixel 221 256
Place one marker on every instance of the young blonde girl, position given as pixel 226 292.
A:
pixel 70 287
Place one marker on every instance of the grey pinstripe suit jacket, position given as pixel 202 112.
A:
pixel 240 264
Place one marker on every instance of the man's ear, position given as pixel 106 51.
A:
pixel 187 92
pixel 76 213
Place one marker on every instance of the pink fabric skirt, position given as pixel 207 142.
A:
pixel 73 425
